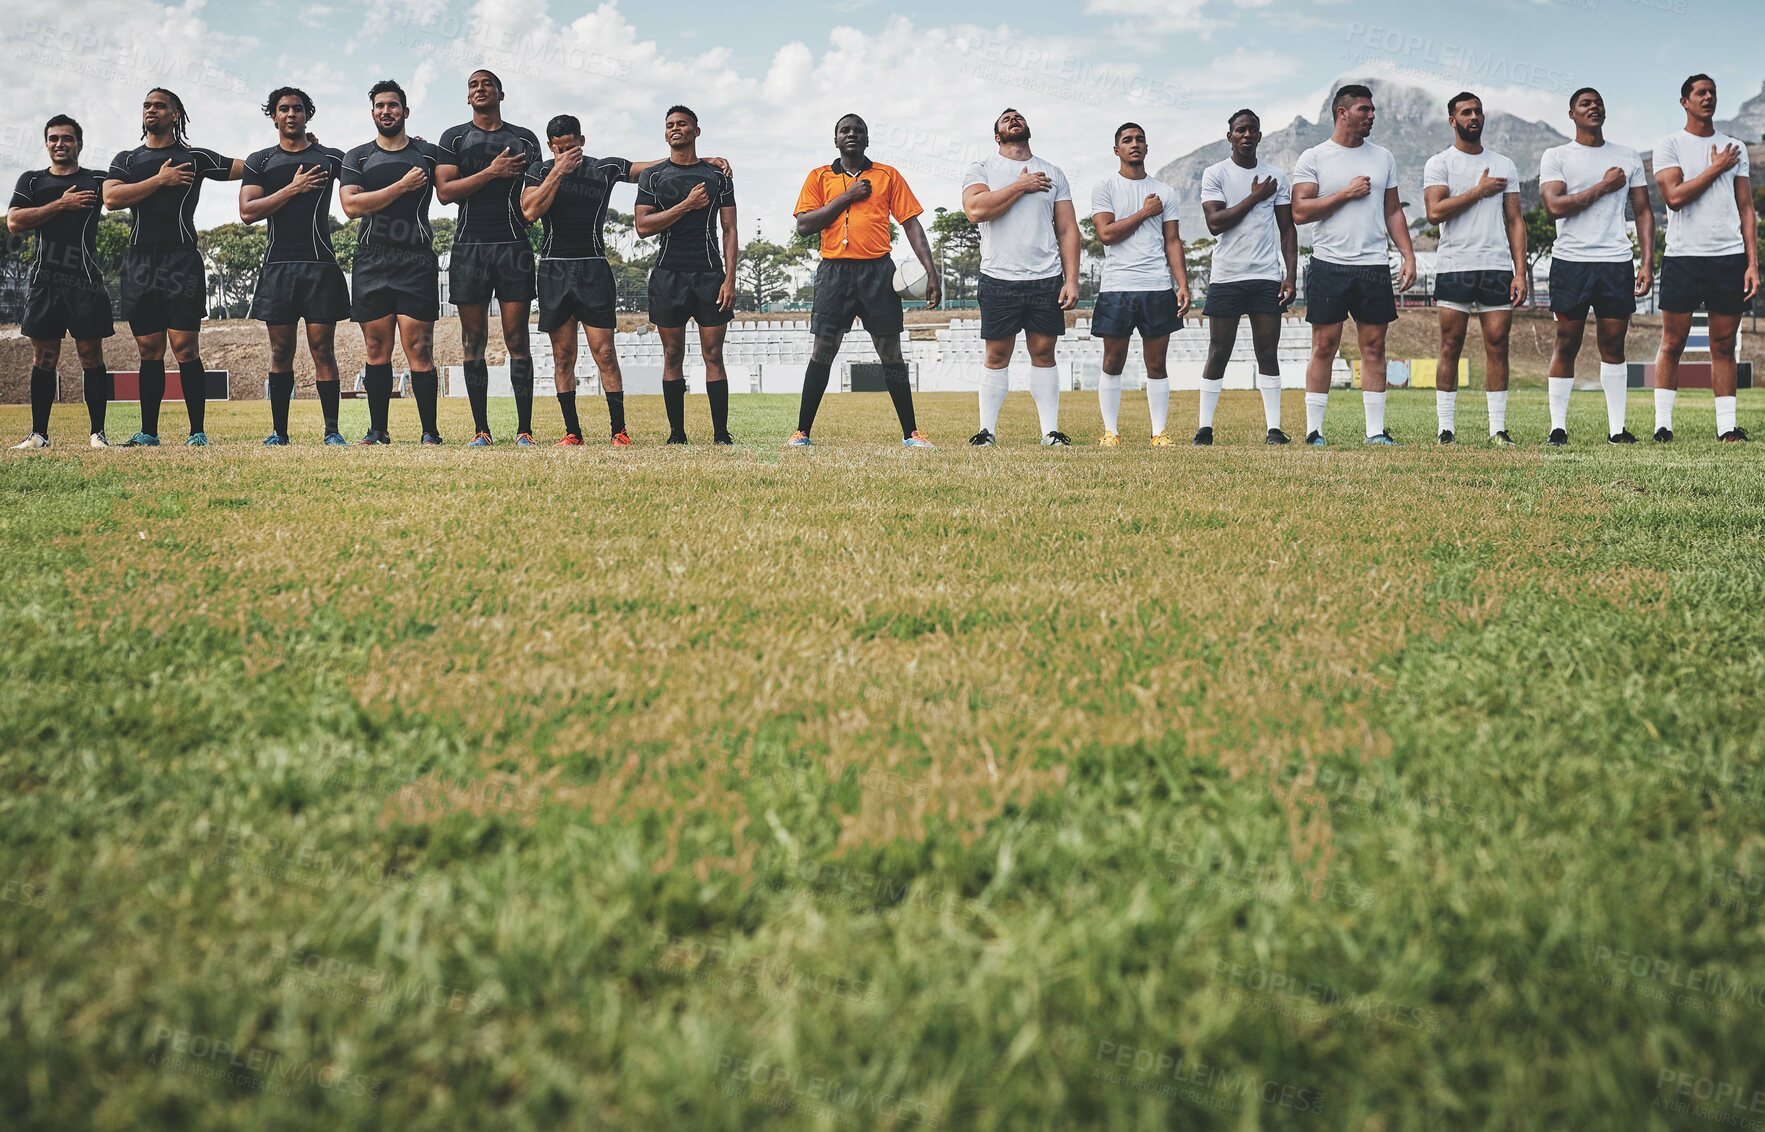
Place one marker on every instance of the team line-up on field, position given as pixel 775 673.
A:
pixel 1346 187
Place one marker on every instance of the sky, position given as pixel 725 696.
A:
pixel 769 82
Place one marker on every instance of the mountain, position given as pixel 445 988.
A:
pixel 1411 123
pixel 1749 124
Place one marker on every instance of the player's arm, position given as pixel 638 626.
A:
pixel 1516 224
pixel 731 255
pixel 357 201
pixel 1560 203
pixel 1289 251
pixel 235 168
pixel 1222 217
pixel 1749 226
pixel 922 251
pixel 1113 231
pixel 1678 192
pixel 1645 237
pixel 815 219
pixel 1309 207
pixel 1173 255
pixel 650 220
pixel 1398 226
pixel 450 187
pixel 124 194
pixel 538 196
pixel 1066 232
pixel 23 218
pixel 1443 206
pixel 255 204
pixel 980 203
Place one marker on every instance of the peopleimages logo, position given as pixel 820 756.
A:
pixel 252 1067
pixel 1458 58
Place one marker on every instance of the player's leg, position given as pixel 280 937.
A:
pixel 1109 387
pixel 1453 325
pixel 97 385
pixel 321 346
pixel 1371 337
pixel 1045 385
pixel 283 336
pixel 1154 352
pixel 563 339
pixel 1724 329
pixel 716 380
pixel 474 335
pixel 377 338
pixel 1222 337
pixel 1675 329
pixel 1496 326
pixel 1614 376
pixel 151 347
pixel 995 380
pixel 674 379
pixel 606 360
pixel 515 340
pixel 1326 340
pixel 894 363
pixel 45 356
pixel 824 348
pixel 417 336
pixel 1565 348
pixel 187 349
pixel 1265 340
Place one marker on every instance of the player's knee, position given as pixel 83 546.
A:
pixel 713 355
pixel 606 359
pixel 47 355
pixel 91 354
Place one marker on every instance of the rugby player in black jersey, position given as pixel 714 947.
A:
pixel 570 194
pixel 682 200
pixel 165 287
pixel 67 294
pixel 394 290
pixel 290 184
pixel 481 170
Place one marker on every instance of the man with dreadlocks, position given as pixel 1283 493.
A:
pixel 164 285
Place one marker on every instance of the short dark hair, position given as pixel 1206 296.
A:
pixel 843 117
pixel 64 120
pixel 1685 87
pixel 495 81
pixel 1237 114
pixel 282 92
pixel 679 109
pixel 1002 113
pixel 385 86
pixel 563 126
pixel 1348 94
pixel 1576 97
pixel 1127 126
pixel 1452 104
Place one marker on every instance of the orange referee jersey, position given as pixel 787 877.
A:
pixel 862 230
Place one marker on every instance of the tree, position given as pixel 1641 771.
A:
pixel 956 246
pixel 1198 258
pixel 344 239
pixel 441 236
pixel 764 274
pixel 1091 253
pixel 234 252
pixel 1541 235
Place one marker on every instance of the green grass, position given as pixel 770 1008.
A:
pixel 706 789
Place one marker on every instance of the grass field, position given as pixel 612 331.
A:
pixel 863 788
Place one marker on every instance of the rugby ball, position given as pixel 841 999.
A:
pixel 910 279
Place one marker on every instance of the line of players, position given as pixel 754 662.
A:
pixel 1346 187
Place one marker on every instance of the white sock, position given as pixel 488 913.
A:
pixel 1498 410
pixel 1315 404
pixel 1210 399
pixel 994 383
pixel 1664 399
pixel 1445 406
pixel 1109 399
pixel 1560 388
pixel 1158 399
pixel 1045 388
pixel 1615 382
pixel 1724 415
pixel 1269 385
pixel 1374 404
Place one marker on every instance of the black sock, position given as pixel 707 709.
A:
pixel 521 380
pixel 194 378
pixel 814 387
pixel 330 395
pixel 42 399
pixel 674 398
pixel 616 410
pixel 425 386
pixel 717 392
pixel 895 375
pixel 152 393
pixel 281 392
pixel 478 392
pixel 97 396
pixel 378 383
pixel 567 405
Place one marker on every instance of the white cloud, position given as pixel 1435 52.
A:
pixel 1156 17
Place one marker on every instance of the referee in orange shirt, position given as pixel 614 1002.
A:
pixel 849 202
